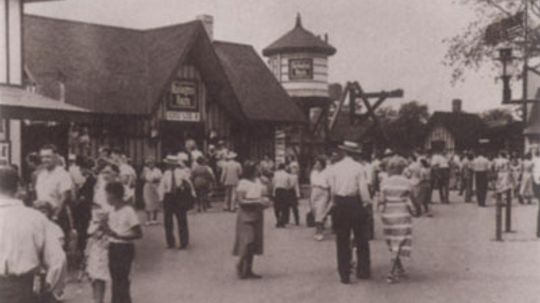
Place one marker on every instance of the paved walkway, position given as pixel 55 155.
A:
pixel 454 260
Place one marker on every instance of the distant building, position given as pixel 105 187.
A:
pixel 454 131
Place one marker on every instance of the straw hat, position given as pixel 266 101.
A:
pixel 171 159
pixel 350 146
pixel 182 157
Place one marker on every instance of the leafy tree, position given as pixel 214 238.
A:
pixel 469 49
pixel 403 129
pixel 496 116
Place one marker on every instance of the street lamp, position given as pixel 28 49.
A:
pixel 505 56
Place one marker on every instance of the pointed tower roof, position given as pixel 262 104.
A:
pixel 299 40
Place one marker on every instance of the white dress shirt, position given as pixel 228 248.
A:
pixel 348 178
pixel 481 164
pixel 180 174
pixel 51 184
pixel 27 242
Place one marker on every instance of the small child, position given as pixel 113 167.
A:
pixel 53 293
pixel 123 228
pixel 97 260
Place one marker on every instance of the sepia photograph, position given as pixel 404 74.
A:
pixel 228 151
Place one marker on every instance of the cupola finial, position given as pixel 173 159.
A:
pixel 298 20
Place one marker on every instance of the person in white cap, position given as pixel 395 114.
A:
pixel 230 175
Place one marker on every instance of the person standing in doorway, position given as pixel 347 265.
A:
pixel 350 193
pixel 481 167
pixel 230 175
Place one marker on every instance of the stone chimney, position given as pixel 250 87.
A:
pixel 457 106
pixel 208 23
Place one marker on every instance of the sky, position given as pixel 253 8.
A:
pixel 382 44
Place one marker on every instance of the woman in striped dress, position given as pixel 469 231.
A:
pixel 396 204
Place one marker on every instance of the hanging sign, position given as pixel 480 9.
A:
pixel 183 95
pixel 301 69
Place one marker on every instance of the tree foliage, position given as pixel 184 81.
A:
pixel 497 116
pixel 468 50
pixel 403 129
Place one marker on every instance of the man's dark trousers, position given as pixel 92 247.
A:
pixel 350 216
pixel 171 208
pixel 281 206
pixel 481 187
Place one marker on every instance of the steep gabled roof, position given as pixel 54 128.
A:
pixel 106 69
pixel 299 40
pixel 260 95
pixel 123 71
pixel 465 127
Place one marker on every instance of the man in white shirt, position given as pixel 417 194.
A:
pixel 481 166
pixel 175 176
pixel 350 194
pixel 441 171
pixel 55 186
pixel 26 245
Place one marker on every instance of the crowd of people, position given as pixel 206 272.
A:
pixel 89 218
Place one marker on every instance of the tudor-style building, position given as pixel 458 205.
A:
pixel 150 90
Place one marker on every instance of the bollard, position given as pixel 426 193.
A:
pixel 508 222
pixel 498 218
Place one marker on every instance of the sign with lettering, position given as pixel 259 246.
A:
pixel 183 94
pixel 183 116
pixel 301 69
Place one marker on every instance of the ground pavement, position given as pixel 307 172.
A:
pixel 454 260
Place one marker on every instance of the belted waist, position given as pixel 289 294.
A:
pixel 347 199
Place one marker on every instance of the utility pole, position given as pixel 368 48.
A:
pixel 525 62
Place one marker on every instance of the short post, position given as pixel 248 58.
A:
pixel 498 218
pixel 508 222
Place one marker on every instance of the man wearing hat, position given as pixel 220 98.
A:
pixel 350 194
pixel 175 176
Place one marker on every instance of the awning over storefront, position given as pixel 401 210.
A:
pixel 17 103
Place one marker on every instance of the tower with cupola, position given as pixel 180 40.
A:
pixel 299 60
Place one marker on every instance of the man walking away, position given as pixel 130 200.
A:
pixel 350 194
pixel 481 166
